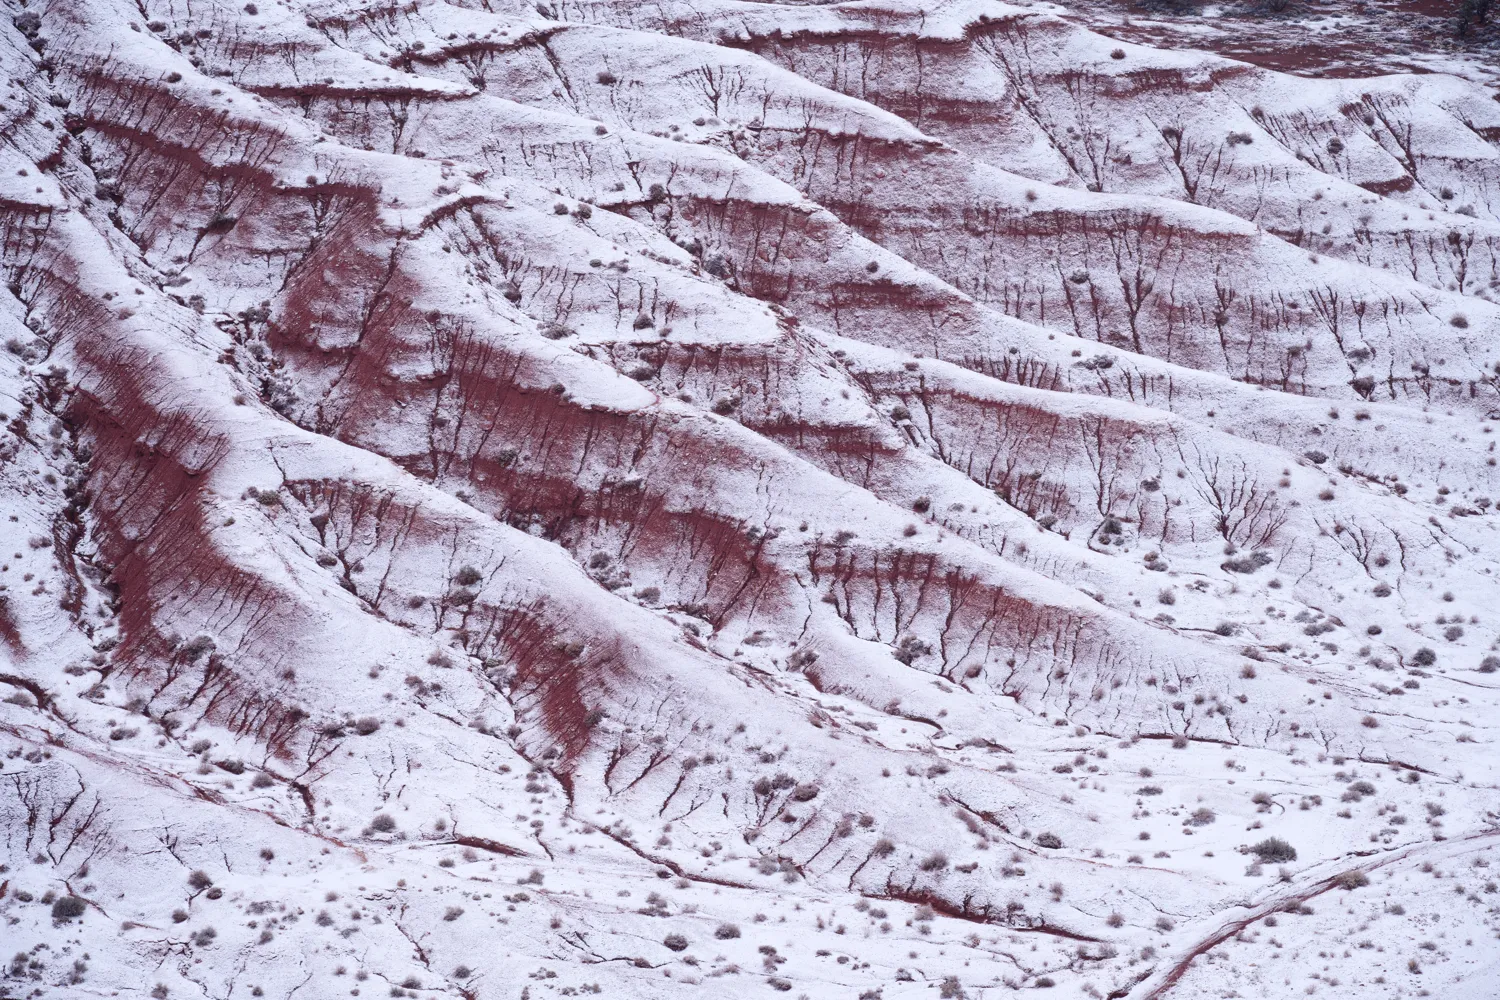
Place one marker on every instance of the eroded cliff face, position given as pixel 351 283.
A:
pixel 852 500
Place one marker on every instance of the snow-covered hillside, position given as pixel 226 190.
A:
pixel 890 499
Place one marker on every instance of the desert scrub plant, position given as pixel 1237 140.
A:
pixel 1247 564
pixel 1274 850
pixel 1352 880
pixel 1049 840
pixel 804 793
pixel 68 907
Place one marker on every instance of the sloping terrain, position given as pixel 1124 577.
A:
pixel 732 498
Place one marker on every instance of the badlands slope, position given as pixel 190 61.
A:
pixel 719 498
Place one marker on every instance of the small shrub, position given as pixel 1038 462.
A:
pixel 382 823
pixel 199 880
pixel 1353 880
pixel 675 942
pixel 1274 850
pixel 726 932
pixel 68 907
pixel 1424 657
pixel 1246 564
pixel 1049 840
